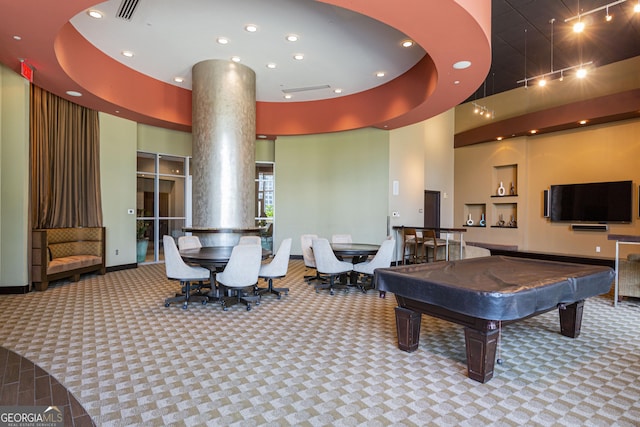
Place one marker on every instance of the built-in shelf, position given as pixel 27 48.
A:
pixel 506 195
pixel 475 212
pixel 501 226
pixel 474 226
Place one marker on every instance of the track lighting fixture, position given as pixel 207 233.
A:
pixel 482 111
pixel 579 26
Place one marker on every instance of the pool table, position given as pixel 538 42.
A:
pixel 483 294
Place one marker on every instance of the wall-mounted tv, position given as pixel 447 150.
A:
pixel 596 202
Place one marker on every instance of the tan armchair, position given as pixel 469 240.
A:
pixel 629 276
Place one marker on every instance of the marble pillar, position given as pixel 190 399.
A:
pixel 223 132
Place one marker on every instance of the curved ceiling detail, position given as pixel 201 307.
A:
pixel 448 30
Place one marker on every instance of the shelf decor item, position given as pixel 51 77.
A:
pixel 482 222
pixel 512 223
pixel 500 222
pixel 501 190
pixel 512 192
pixel 469 221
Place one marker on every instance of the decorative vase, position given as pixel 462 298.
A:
pixel 501 190
pixel 469 221
pixel 141 250
pixel 513 190
pixel 482 221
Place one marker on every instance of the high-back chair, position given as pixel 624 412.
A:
pixel 240 273
pixel 411 246
pixel 341 238
pixel 328 264
pixel 250 240
pixel 382 259
pixel 308 257
pixel 276 269
pixel 432 246
pixel 189 242
pixel 177 269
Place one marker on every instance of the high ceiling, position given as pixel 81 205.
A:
pixel 521 30
pixel 344 42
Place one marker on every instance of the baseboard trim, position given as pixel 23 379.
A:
pixel 14 290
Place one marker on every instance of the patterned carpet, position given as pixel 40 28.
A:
pixel 312 359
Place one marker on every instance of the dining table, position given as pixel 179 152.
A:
pixel 213 258
pixel 358 252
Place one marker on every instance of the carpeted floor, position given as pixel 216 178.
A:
pixel 313 359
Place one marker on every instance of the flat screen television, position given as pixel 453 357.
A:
pixel 597 202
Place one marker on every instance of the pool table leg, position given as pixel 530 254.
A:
pixel 408 326
pixel 571 319
pixel 481 353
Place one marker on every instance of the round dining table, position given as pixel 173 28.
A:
pixel 214 258
pixel 359 252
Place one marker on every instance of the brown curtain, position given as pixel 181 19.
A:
pixel 65 159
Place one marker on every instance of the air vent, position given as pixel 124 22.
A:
pixel 305 89
pixel 127 8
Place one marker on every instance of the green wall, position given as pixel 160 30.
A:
pixel 118 138
pixel 14 179
pixel 332 184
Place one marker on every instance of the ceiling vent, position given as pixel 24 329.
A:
pixel 126 9
pixel 305 89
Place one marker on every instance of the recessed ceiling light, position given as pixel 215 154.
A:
pixel 583 122
pixel 251 28
pixel 298 56
pixel 127 53
pixel 456 82
pixel 533 131
pixel 380 74
pixel 461 65
pixel 407 43
pixel 292 37
pixel 287 96
pixel 95 14
pixel 271 65
pixel 499 138
pixel 222 40
pixel 338 90
pixel 178 79
pixel 235 58
pixel 17 38
pixel 73 93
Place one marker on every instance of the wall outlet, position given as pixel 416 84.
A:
pixel 598 249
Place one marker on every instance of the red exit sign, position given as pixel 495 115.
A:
pixel 26 71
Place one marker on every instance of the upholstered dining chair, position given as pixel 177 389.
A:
pixel 432 246
pixel 250 240
pixel 382 259
pixel 240 274
pixel 341 238
pixel 189 242
pixel 328 264
pixel 306 241
pixel 177 269
pixel 276 269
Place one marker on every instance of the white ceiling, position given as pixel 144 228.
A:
pixel 341 49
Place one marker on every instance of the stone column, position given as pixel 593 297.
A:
pixel 223 132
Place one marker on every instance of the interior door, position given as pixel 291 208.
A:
pixel 431 209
